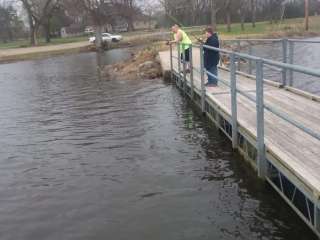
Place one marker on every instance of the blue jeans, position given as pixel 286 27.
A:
pixel 213 70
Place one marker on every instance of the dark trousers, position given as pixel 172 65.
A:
pixel 214 71
pixel 186 57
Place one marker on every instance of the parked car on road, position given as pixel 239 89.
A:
pixel 107 37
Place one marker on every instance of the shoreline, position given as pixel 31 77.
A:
pixel 31 53
pixel 22 54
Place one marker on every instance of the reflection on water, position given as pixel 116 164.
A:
pixel 88 159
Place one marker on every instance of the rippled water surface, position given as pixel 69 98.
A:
pixel 88 159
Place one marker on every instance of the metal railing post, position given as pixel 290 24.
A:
pixel 191 71
pixel 238 45
pixel 250 61
pixel 284 60
pixel 179 64
pixel 203 88
pixel 221 46
pixel 171 62
pixel 261 160
pixel 238 50
pixel 233 78
pixel 291 59
pixel 184 69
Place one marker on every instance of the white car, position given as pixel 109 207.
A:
pixel 107 37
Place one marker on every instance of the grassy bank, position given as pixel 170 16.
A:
pixel 289 27
pixel 20 50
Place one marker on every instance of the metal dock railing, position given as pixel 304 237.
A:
pixel 288 186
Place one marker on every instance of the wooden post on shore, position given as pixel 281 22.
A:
pixel 306 10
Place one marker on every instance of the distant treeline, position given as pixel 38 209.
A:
pixel 201 12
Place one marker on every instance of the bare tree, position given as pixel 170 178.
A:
pixel 99 11
pixel 38 11
pixel 195 10
pixel 6 19
pixel 200 12
pixel 128 10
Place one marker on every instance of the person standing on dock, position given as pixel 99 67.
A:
pixel 184 42
pixel 211 57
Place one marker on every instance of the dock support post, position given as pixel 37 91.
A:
pixel 250 60
pixel 203 87
pixel 184 70
pixel 316 215
pixel 284 60
pixel 179 64
pixel 191 71
pixel 171 62
pixel 291 57
pixel 233 78
pixel 261 163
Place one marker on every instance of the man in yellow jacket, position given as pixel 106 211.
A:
pixel 184 41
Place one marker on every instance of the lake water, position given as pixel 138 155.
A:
pixel 87 159
pixel 305 54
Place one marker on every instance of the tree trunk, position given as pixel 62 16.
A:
pixel 283 11
pixel 228 15
pixel 253 12
pixel 242 16
pixel 229 21
pixel 47 30
pixel 306 8
pixel 194 13
pixel 100 49
pixel 32 32
pixel 31 23
pixel 99 37
pixel 213 13
pixel 36 32
pixel 242 23
pixel 32 37
pixel 130 25
pixel 9 33
pixel 270 11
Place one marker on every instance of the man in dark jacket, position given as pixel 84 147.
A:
pixel 211 57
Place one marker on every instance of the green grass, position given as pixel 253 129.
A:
pixel 287 27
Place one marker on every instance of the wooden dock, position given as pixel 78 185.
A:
pixel 292 155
